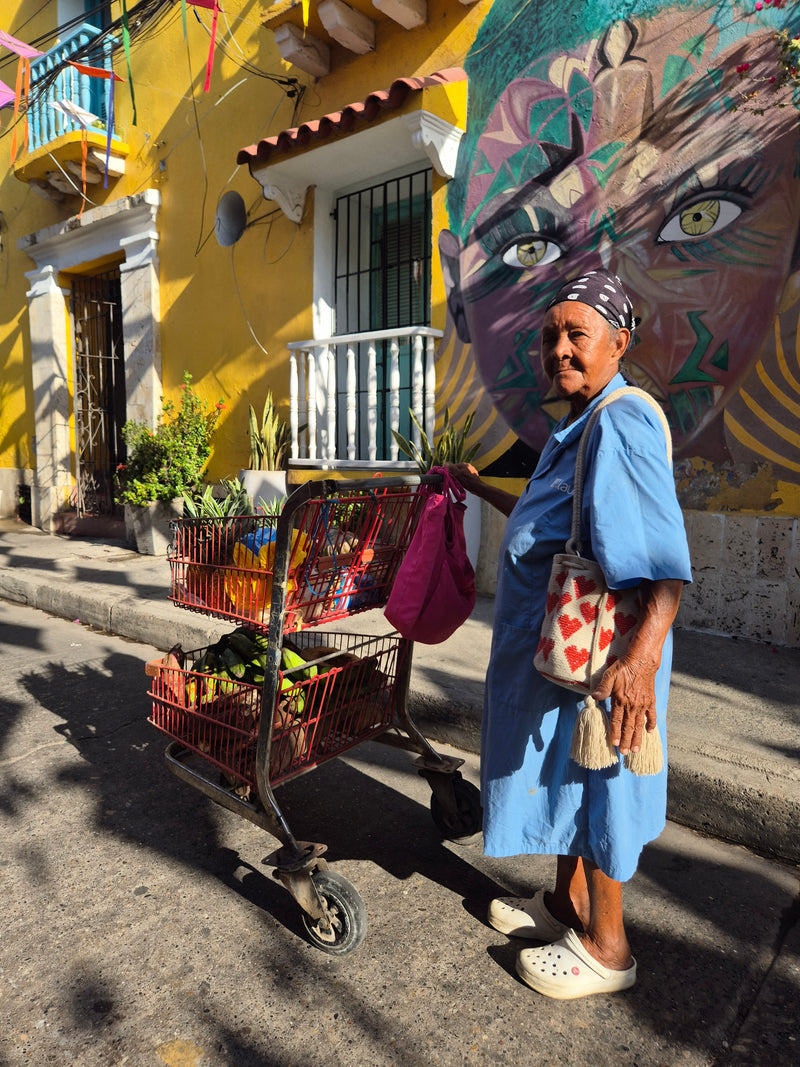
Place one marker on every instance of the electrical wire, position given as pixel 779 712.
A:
pixel 199 245
pixel 241 304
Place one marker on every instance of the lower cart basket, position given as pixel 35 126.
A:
pixel 342 697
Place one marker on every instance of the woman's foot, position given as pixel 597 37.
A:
pixel 526 917
pixel 565 970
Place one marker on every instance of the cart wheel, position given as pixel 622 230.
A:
pixel 348 915
pixel 466 826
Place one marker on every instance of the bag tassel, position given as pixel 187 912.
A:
pixel 590 747
pixel 650 757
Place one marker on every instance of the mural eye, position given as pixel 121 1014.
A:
pixel 531 252
pixel 701 219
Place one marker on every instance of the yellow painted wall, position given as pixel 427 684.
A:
pixel 185 142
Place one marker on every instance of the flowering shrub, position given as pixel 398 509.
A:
pixel 786 73
pixel 169 461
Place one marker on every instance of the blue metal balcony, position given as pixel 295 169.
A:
pixel 46 123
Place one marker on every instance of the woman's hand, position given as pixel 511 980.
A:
pixel 631 685
pixel 466 474
pixel 630 682
pixel 469 478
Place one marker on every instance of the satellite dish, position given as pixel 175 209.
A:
pixel 230 221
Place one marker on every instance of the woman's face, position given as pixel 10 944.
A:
pixel 627 156
pixel 580 353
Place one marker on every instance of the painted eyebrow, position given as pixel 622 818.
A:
pixel 538 187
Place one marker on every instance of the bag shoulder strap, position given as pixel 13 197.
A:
pixel 573 546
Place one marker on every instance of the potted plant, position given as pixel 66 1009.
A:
pixel 270 445
pixel 163 464
pixel 449 447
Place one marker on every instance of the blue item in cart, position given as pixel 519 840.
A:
pixel 365 593
pixel 258 538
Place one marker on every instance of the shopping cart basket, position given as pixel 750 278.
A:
pixel 305 695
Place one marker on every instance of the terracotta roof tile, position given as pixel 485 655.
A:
pixel 344 121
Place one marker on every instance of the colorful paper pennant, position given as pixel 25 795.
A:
pixel 126 42
pixel 6 94
pixel 213 7
pixel 26 53
pixel 112 76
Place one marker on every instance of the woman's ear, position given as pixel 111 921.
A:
pixel 621 342
pixel 450 254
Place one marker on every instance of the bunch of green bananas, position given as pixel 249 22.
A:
pixel 241 656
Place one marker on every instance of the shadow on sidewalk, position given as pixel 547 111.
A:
pixel 700 924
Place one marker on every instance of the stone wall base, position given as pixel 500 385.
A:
pixel 746 574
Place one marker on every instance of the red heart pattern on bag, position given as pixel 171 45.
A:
pixel 561 577
pixel 605 638
pixel 576 657
pixel 552 600
pixel 584 586
pixel 589 612
pixel 568 626
pixel 546 646
pixel 624 622
pixel 613 600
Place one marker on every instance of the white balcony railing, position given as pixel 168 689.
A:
pixel 345 393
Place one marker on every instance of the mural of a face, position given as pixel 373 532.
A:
pixel 626 153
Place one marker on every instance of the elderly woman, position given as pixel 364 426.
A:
pixel 536 799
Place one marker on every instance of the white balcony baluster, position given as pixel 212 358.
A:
pixel 430 387
pixel 330 400
pixel 394 392
pixel 372 402
pixel 294 392
pixel 417 382
pixel 335 421
pixel 351 403
pixel 311 380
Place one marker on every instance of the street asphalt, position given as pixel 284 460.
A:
pixel 734 715
pixel 141 928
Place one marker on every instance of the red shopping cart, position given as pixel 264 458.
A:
pixel 291 692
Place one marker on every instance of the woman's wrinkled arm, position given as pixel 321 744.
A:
pixel 630 682
pixel 473 483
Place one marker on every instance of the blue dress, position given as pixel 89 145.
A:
pixel 535 798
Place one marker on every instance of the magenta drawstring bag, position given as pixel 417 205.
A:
pixel 434 591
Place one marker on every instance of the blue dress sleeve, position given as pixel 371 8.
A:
pixel 630 510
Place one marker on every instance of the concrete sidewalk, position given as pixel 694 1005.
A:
pixel 734 709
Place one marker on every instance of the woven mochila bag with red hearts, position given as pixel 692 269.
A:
pixel 586 627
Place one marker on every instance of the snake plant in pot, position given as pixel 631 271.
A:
pixel 270 445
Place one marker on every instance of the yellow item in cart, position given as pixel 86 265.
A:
pixel 249 585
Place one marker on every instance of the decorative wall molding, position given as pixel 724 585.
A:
pixel 408 13
pixel 437 138
pixel 349 28
pixel 305 51
pixel 291 199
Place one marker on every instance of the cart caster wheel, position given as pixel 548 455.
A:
pixel 466 827
pixel 348 915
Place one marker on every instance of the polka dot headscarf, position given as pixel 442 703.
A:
pixel 603 291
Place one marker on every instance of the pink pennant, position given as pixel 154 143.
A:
pixel 24 51
pixel 6 95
